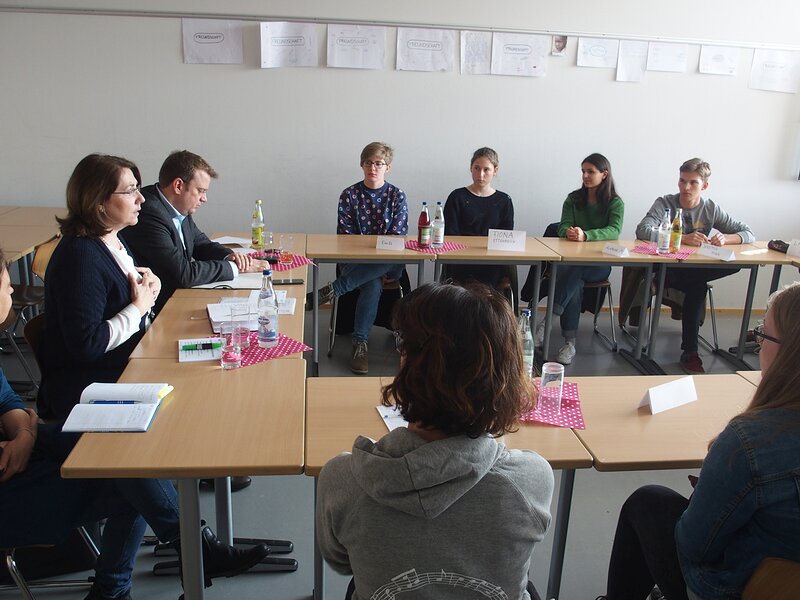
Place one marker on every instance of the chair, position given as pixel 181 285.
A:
pixel 25 588
pixel 7 328
pixel 29 296
pixel 773 579
pixel 343 313
pixel 508 285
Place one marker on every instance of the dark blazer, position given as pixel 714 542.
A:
pixel 84 287
pixel 155 243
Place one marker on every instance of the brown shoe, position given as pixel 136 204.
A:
pixel 692 364
pixel 359 364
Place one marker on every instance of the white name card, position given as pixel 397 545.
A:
pixel 718 252
pixel 616 250
pixel 395 243
pixel 794 248
pixel 506 240
pixel 669 395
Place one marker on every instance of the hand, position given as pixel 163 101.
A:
pixel 256 266
pixel 17 452
pixel 696 238
pixel 386 280
pixel 243 261
pixel 718 239
pixel 576 234
pixel 144 290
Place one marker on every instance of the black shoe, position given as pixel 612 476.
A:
pixel 239 482
pixel 326 296
pixel 96 594
pixel 222 560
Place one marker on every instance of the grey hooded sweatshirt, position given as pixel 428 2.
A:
pixel 454 518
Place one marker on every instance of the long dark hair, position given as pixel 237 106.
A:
pixel 461 370
pixel 605 191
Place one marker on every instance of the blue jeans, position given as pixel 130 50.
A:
pixel 644 552
pixel 569 294
pixel 367 279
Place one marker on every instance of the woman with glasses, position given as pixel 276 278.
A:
pixel 746 502
pixel 96 298
pixel 474 210
pixel 442 505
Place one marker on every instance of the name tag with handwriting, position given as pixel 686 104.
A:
pixel 395 243
pixel 506 240
pixel 616 250
pixel 718 252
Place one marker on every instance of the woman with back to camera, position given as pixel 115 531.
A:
pixel 746 502
pixel 442 505
pixel 96 299
pixel 474 210
pixel 592 212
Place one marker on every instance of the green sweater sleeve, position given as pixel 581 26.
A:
pixel 567 217
pixel 613 225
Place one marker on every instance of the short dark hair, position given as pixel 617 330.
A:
pixel 182 164
pixel 461 370
pixel 95 177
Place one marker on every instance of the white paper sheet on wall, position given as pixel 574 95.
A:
pixel 663 56
pixel 632 60
pixel 356 46
pixel 775 71
pixel 288 45
pixel 597 52
pixel 425 49
pixel 476 52
pixel 520 54
pixel 718 60
pixel 212 41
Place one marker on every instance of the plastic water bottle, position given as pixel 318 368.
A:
pixel 267 313
pixel 664 230
pixel 527 340
pixel 424 227
pixel 437 232
pixel 257 228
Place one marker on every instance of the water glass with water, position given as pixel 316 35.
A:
pixel 551 387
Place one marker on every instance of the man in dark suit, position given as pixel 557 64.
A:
pixel 166 238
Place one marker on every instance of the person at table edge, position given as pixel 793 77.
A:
pixel 701 216
pixel 167 239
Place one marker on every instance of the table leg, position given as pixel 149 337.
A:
pixel 315 319
pixel 421 273
pixel 319 565
pixel 191 551
pixel 776 279
pixel 224 512
pixel 548 317
pixel 651 344
pixel 560 532
pixel 437 271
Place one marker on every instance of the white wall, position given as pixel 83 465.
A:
pixel 74 84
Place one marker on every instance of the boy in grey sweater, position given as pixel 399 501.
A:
pixel 703 222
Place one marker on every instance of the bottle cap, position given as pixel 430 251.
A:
pixel 267 272
pixel 258 202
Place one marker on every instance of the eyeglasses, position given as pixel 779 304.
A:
pixel 398 340
pixel 369 164
pixel 131 192
pixel 758 333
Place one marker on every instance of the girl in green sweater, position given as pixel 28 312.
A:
pixel 592 212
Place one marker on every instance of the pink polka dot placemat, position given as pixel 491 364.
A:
pixel 448 247
pixel 297 261
pixel 650 248
pixel 255 354
pixel 571 415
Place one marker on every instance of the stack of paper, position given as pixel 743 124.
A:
pixel 116 407
pixel 221 312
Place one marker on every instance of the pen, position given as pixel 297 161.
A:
pixel 203 346
pixel 113 402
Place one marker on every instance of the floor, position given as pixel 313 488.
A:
pixel 282 507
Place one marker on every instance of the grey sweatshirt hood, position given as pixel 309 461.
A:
pixel 404 472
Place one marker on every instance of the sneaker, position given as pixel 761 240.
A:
pixel 359 364
pixel 538 336
pixel 691 363
pixel 326 296
pixel 656 594
pixel 566 353
pixel 96 594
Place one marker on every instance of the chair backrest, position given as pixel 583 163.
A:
pixel 33 335
pixel 41 256
pixel 773 579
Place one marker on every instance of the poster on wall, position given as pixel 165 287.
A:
pixel 663 56
pixel 425 49
pixel 288 45
pixel 632 61
pixel 356 46
pixel 521 54
pixel 775 71
pixel 718 60
pixel 212 41
pixel 597 52
pixel 476 52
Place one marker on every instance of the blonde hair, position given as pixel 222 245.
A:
pixel 381 149
pixel 697 165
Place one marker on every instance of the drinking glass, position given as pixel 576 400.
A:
pixel 550 388
pixel 287 249
pixel 240 322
